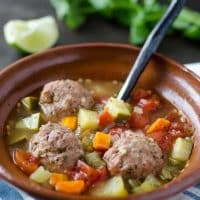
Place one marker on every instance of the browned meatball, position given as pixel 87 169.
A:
pixel 64 97
pixel 134 155
pixel 56 146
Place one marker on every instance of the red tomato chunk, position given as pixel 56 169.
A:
pixel 138 121
pixel 149 104
pixel 88 174
pixel 105 118
pixel 25 161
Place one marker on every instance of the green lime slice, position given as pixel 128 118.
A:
pixel 33 35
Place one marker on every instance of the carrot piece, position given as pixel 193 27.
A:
pixel 101 141
pixel 159 124
pixel 70 187
pixel 56 178
pixel 69 122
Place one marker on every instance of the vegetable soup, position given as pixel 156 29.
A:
pixel 76 137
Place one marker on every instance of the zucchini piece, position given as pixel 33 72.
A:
pixel 18 136
pixel 168 172
pixel 182 149
pixel 87 143
pixel 134 183
pixel 114 187
pixel 177 163
pixel 151 183
pixel 118 108
pixel 29 103
pixel 88 119
pixel 32 122
pixel 93 159
pixel 130 184
pixel 40 175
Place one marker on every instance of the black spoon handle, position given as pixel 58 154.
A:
pixel 150 46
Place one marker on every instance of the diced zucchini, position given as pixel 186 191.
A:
pixel 88 119
pixel 113 187
pixel 18 136
pixel 87 143
pixel 40 175
pixel 168 172
pixel 131 184
pixel 32 122
pixel 176 163
pixel 182 149
pixel 93 159
pixel 118 108
pixel 151 183
pixel 29 103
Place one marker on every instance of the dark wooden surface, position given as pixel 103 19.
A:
pixel 96 30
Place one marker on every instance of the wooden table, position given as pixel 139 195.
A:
pixel 95 30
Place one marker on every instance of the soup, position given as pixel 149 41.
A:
pixel 76 137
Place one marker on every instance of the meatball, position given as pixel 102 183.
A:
pixel 134 155
pixel 56 146
pixel 64 97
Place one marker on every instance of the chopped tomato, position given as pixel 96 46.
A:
pixel 86 173
pixel 176 126
pixel 139 94
pixel 149 104
pixel 86 168
pixel 25 161
pixel 103 173
pixel 105 118
pixel 169 140
pixel 165 138
pixel 138 121
pixel 158 136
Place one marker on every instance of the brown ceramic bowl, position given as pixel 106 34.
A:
pixel 105 62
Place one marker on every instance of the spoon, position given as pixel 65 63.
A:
pixel 150 46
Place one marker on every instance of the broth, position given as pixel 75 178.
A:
pixel 148 120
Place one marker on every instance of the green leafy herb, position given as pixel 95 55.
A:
pixel 139 15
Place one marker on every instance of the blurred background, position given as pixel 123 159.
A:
pixel 95 29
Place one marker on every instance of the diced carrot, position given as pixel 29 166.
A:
pixel 105 118
pixel 101 141
pixel 69 122
pixel 56 178
pixel 159 124
pixel 25 161
pixel 71 187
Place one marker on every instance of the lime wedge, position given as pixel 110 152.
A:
pixel 33 35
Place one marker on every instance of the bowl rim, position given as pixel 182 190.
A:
pixel 157 194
